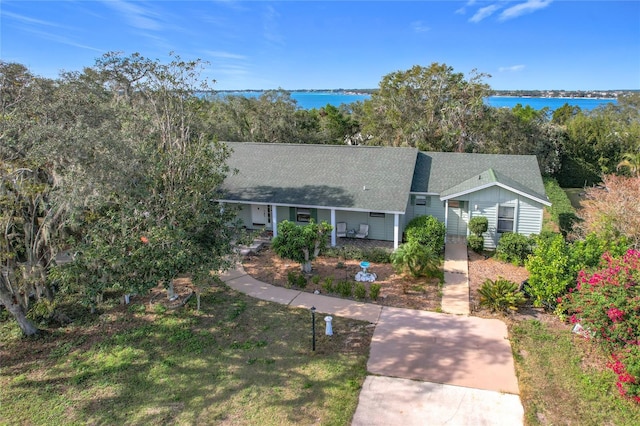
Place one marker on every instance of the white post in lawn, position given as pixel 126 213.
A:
pixel 274 220
pixel 333 231
pixel 328 329
pixel 396 230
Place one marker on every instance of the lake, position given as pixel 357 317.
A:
pixel 309 100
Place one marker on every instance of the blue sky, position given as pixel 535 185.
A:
pixel 523 44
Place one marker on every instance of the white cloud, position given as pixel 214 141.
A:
pixel 28 20
pixel 513 68
pixel 528 6
pixel 463 9
pixel 484 12
pixel 270 25
pixel 419 27
pixel 137 16
pixel 224 55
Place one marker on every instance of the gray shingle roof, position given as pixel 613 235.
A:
pixel 321 175
pixel 447 173
pixel 486 179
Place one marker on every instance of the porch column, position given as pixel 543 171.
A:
pixel 333 231
pixel 396 230
pixel 446 219
pixel 274 220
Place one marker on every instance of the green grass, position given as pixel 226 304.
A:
pixel 237 361
pixel 563 379
pixel 573 194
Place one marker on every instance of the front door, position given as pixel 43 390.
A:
pixel 457 218
pixel 260 215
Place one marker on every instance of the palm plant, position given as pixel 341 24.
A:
pixel 415 258
pixel 631 161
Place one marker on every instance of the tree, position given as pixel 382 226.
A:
pixel 432 108
pixel 113 164
pixel 166 221
pixel 522 131
pixel 336 125
pixel 613 211
pixel 301 244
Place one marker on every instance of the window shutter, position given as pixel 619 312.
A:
pixel 292 214
pixel 314 215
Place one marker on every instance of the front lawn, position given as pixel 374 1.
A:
pixel 237 361
pixel 563 378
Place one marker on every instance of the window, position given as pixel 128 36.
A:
pixel 506 220
pixel 303 215
pixel 420 200
pixel 375 214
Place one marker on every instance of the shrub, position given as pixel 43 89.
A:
pixel 376 254
pixel 550 271
pixel 476 243
pixel 360 291
pixel 607 303
pixel 415 258
pixel 344 288
pixel 374 291
pixel 500 295
pixel 478 225
pixel 296 279
pixel 588 253
pixel 608 300
pixel 292 278
pixel 327 285
pixel 315 280
pixel 561 210
pixel 513 248
pixel 426 230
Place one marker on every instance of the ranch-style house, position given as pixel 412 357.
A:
pixel 383 188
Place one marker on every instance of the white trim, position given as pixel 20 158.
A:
pixel 274 219
pixel 396 230
pixel 446 219
pixel 423 193
pixel 333 231
pixel 501 185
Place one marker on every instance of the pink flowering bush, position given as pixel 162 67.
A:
pixel 607 304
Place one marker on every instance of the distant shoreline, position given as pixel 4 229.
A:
pixel 612 98
pixel 546 94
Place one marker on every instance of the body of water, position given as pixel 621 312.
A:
pixel 310 100
pixel 586 104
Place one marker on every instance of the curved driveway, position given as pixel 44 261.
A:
pixel 426 368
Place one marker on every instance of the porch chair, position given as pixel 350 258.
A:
pixel 341 229
pixel 363 232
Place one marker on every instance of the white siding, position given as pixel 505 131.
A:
pixel 529 217
pixel 528 213
pixel 434 208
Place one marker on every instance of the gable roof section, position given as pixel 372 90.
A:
pixel 451 174
pixel 488 179
pixel 321 176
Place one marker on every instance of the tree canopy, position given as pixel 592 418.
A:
pixel 431 108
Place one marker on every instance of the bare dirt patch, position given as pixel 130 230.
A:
pixel 397 290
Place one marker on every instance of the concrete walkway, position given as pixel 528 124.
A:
pixel 455 292
pixel 428 368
